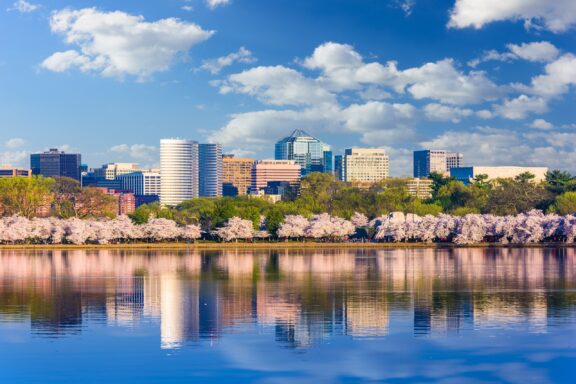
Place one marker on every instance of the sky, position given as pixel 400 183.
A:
pixel 493 79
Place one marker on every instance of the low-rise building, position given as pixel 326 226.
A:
pixel 8 171
pixel 265 171
pixel 467 174
pixel 420 188
pixel 111 171
pixel 141 183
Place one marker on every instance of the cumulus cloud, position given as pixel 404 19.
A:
pixel 520 107
pixel 558 77
pixel 15 143
pixel 405 5
pixel 277 86
pixel 541 124
pixel 14 158
pixel 24 6
pixel 136 151
pixel 541 51
pixel 115 44
pixel 555 15
pixel 214 66
pixel 213 4
pixel 441 112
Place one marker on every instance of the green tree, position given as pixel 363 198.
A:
pixel 94 203
pixel 559 182
pixel 565 204
pixel 513 196
pixel 65 191
pixel 26 196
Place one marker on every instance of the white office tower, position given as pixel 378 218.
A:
pixel 178 170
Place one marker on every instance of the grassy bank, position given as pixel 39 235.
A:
pixel 272 245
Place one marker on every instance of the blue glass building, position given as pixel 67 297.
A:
pixel 306 150
pixel 210 170
pixel 55 163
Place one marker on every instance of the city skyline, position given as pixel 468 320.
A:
pixel 504 81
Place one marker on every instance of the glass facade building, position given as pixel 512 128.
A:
pixel 436 161
pixel 304 149
pixel 210 170
pixel 55 163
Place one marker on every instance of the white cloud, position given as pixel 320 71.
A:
pixel 277 86
pixel 541 51
pixel 555 15
pixel 214 66
pixel 15 143
pixel 213 4
pixel 405 5
pixel 15 158
pixel 559 76
pixel 137 151
pixel 187 8
pixel 541 124
pixel 441 112
pixel 24 6
pixel 115 44
pixel 520 107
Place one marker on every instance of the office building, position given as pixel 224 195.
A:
pixel 304 149
pixel 467 174
pixel 55 163
pixel 141 183
pixel 112 170
pixel 420 188
pixel 436 161
pixel 328 162
pixel 236 175
pixel 365 165
pixel 210 170
pixel 7 171
pixel 179 171
pixel 265 171
pixel 338 167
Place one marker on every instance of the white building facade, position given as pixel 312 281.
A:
pixel 467 174
pixel 141 183
pixel 179 171
pixel 366 165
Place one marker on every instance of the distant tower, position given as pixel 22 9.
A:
pixel 55 163
pixel 436 161
pixel 179 171
pixel 306 150
pixel 210 170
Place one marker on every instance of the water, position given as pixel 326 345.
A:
pixel 406 315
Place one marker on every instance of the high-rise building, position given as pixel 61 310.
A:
pixel 338 167
pixel 112 170
pixel 141 183
pixel 55 163
pixel 365 165
pixel 265 171
pixel 436 161
pixel 306 150
pixel 210 170
pixel 179 171
pixel 328 162
pixel 236 175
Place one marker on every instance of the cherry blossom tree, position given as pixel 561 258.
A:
pixel 359 220
pixel 236 228
pixel 293 226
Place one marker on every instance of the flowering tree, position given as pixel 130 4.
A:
pixel 294 226
pixel 160 230
pixel 191 232
pixel 236 228
pixel 471 229
pixel 359 220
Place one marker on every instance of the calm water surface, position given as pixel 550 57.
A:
pixel 409 315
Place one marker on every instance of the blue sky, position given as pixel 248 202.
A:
pixel 492 79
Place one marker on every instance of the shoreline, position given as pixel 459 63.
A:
pixel 271 245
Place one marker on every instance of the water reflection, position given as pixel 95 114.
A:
pixel 306 297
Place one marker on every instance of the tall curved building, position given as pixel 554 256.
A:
pixel 178 171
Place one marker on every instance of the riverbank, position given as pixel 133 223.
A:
pixel 271 245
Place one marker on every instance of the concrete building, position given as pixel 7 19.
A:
pixel 466 174
pixel 436 161
pixel 179 171
pixel 55 163
pixel 236 174
pixel 112 170
pixel 364 165
pixel 8 171
pixel 420 188
pixel 265 171
pixel 306 150
pixel 210 170
pixel 141 183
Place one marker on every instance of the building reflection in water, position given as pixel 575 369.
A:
pixel 304 297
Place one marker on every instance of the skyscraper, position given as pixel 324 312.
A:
pixel 304 149
pixel 210 170
pixel 55 163
pixel 367 165
pixel 236 174
pixel 178 170
pixel 436 161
